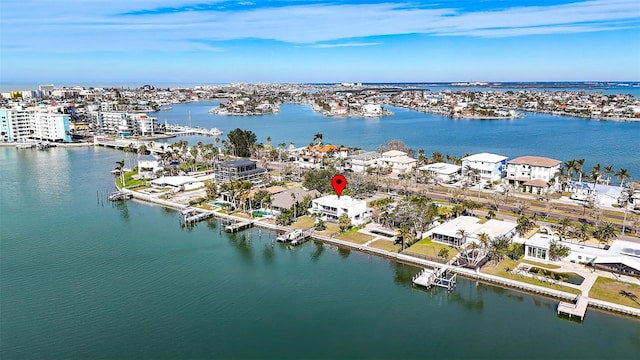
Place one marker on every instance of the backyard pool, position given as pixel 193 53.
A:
pixel 571 278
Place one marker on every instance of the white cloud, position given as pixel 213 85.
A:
pixel 347 44
pixel 89 25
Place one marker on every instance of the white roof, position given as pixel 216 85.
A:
pixel 343 202
pixel 620 259
pixel 625 248
pixel 394 153
pixel 485 157
pixel 470 224
pixel 441 168
pixel 495 228
pixel 539 240
pixel 174 180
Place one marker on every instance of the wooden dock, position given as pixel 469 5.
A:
pixel 237 226
pixel 192 219
pixel 296 236
pixel 441 277
pixel 119 196
pixel 578 309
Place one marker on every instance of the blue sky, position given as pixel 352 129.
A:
pixel 181 41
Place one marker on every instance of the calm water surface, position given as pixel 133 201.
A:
pixel 82 278
pixel 562 138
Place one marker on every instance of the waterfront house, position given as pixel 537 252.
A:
pixel 465 229
pixel 532 173
pixel 442 172
pixel 362 160
pixel 490 167
pixel 398 161
pixel 242 169
pixel 148 165
pixel 177 183
pixel 285 199
pixel 330 208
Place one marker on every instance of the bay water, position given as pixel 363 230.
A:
pixel 84 278
pixel 559 137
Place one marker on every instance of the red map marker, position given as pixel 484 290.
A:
pixel 339 183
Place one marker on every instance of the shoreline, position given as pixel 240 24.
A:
pixel 407 259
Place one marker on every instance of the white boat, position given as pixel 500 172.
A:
pixel 25 145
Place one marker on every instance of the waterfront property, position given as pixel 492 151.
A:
pixel 398 161
pixel 147 166
pixel 464 229
pixel 177 183
pixel 490 167
pixel 243 170
pixel 362 160
pixel 442 172
pixel 285 199
pixel 43 123
pixel 331 207
pixel 532 173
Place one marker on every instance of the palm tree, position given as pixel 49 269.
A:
pixel 595 174
pixel 608 170
pixel 463 236
pixel 405 235
pixel 622 174
pixel 578 168
pixel 582 232
pixel 564 225
pixel 318 137
pixel 605 233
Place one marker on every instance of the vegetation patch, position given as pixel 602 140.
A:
pixel 614 291
pixel 385 245
pixel 355 237
pixel 428 248
pixel 303 222
pixel 503 270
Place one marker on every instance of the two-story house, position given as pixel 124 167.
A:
pixel 533 173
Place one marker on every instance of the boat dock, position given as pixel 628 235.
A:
pixel 237 226
pixel 119 196
pixel 296 236
pixel 441 277
pixel 578 309
pixel 179 130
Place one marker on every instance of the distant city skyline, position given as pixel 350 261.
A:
pixel 176 41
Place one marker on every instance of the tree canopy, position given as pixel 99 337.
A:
pixel 241 142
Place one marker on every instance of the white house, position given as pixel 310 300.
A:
pixel 464 229
pixel 147 166
pixel 532 172
pixel 372 110
pixel 362 160
pixel 398 161
pixel 177 183
pixel 331 207
pixel 442 172
pixel 490 166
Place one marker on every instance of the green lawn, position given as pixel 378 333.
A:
pixel 429 248
pixel 354 237
pixel 129 182
pixel 331 229
pixel 303 222
pixel 609 290
pixel 501 270
pixel 385 245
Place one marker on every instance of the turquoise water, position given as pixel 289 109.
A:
pixel 84 278
pixel 562 138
